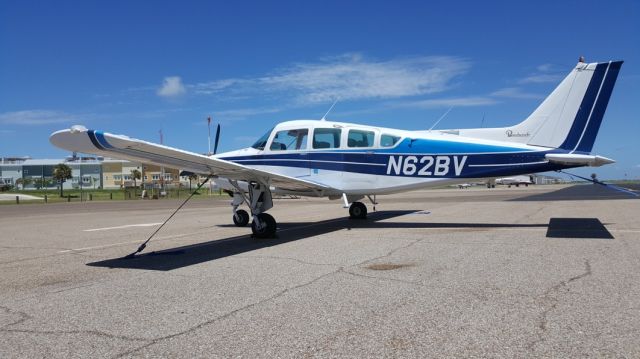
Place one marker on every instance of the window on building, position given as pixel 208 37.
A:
pixel 168 177
pixel 326 138
pixel 389 140
pixel 117 177
pixel 127 177
pixel 359 138
pixel 146 178
pixel 290 140
pixel 86 179
pixel 155 177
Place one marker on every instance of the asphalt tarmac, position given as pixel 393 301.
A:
pixel 542 271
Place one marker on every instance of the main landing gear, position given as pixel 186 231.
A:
pixel 357 210
pixel 259 201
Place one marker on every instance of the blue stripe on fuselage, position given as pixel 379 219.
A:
pixel 407 164
pixel 445 147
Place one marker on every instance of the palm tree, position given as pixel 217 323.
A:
pixel 136 175
pixel 192 177
pixel 26 181
pixel 62 173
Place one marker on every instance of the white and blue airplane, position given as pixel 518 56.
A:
pixel 349 161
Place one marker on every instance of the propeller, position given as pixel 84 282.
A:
pixel 215 146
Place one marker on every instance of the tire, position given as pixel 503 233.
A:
pixel 241 218
pixel 357 210
pixel 269 226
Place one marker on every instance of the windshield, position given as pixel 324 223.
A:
pixel 262 141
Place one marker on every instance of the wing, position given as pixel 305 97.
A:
pixel 82 140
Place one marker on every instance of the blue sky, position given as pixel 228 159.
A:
pixel 134 67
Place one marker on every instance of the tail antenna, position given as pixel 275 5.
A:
pixel 324 118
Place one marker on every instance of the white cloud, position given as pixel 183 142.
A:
pixel 541 78
pixel 545 67
pixel 171 87
pixel 244 112
pixel 350 77
pixel 451 102
pixel 35 117
pixel 546 73
pixel 515 92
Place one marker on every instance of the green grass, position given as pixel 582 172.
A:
pixel 75 195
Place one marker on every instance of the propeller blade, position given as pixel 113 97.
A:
pixel 215 146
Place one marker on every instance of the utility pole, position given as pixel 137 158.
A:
pixel 161 168
pixel 209 126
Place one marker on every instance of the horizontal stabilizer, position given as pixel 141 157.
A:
pixel 576 159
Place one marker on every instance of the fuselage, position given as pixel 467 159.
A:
pixel 359 159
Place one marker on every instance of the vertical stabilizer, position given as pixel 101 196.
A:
pixel 570 117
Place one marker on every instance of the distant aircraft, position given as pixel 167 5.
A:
pixel 515 180
pixel 462 185
pixel 350 161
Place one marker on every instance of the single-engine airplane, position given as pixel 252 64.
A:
pixel 351 161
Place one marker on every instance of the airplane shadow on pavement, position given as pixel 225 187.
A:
pixel 184 256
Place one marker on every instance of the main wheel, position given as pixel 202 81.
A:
pixel 268 229
pixel 357 210
pixel 241 218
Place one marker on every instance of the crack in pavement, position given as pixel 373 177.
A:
pixel 381 278
pixel 252 305
pixel 227 315
pixel 23 317
pixel 63 332
pixel 289 259
pixel 551 302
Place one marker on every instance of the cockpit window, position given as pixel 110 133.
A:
pixel 289 140
pixel 388 140
pixel 326 138
pixel 262 141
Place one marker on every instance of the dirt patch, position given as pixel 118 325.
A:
pixel 387 266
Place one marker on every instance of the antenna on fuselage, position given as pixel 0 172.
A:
pixel 440 119
pixel 324 118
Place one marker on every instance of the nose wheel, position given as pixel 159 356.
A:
pixel 357 210
pixel 241 218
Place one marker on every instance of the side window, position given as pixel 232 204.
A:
pixel 359 138
pixel 389 140
pixel 326 138
pixel 289 140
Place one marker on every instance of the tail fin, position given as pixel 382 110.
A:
pixel 569 118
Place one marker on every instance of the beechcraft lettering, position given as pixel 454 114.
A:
pixel 340 161
pixel 425 165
